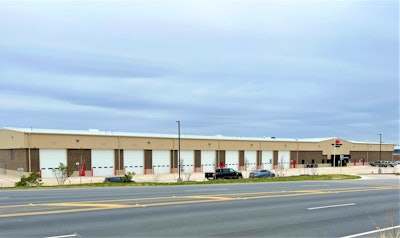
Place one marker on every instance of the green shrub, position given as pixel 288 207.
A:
pixel 128 177
pixel 32 180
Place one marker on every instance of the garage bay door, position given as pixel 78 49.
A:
pixel 267 159
pixel 250 160
pixel 161 161
pixel 232 159
pixel 103 162
pixel 207 161
pixel 134 161
pixel 50 159
pixel 187 159
pixel 283 159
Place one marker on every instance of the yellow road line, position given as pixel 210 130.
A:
pixel 105 204
pixel 50 212
pixel 67 204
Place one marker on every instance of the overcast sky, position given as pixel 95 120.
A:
pixel 288 69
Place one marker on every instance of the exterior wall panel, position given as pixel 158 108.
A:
pixel 81 156
pixel 148 161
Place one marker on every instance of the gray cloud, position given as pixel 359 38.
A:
pixel 60 62
pixel 242 69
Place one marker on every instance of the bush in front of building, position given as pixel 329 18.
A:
pixel 32 180
pixel 128 177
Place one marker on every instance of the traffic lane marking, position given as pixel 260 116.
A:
pixel 178 200
pixel 51 212
pixel 319 191
pixel 331 206
pixel 212 196
pixel 63 236
pixel 207 189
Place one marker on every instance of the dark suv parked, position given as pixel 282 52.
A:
pixel 115 179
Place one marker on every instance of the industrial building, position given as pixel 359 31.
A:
pixel 103 153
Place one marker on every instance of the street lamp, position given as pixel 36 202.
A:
pixel 367 151
pixel 179 151
pixel 380 146
pixel 297 152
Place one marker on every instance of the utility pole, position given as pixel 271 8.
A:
pixel 380 146
pixel 179 151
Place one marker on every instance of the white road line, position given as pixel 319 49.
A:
pixel 371 232
pixel 211 189
pixel 63 236
pixel 330 206
pixel 316 185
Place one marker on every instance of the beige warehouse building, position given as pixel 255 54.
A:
pixel 104 153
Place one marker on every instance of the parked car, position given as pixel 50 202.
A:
pixel 261 173
pixel 396 162
pixel 383 163
pixel 116 179
pixel 225 173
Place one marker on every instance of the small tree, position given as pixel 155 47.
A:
pixel 62 173
pixel 187 176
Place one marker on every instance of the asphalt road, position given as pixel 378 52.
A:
pixel 297 209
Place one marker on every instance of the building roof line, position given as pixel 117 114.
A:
pixel 97 132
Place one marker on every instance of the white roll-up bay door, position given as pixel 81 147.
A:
pixel 134 161
pixel 50 159
pixel 207 161
pixel 161 161
pixel 103 162
pixel 284 159
pixel 267 159
pixel 250 160
pixel 232 159
pixel 187 159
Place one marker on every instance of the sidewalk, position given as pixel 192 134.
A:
pixel 10 180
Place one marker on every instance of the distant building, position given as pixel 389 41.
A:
pixel 102 153
pixel 396 153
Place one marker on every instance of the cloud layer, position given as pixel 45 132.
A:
pixel 237 68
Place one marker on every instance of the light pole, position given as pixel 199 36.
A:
pixel 380 146
pixel 367 151
pixel 334 151
pixel 179 151
pixel 297 155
